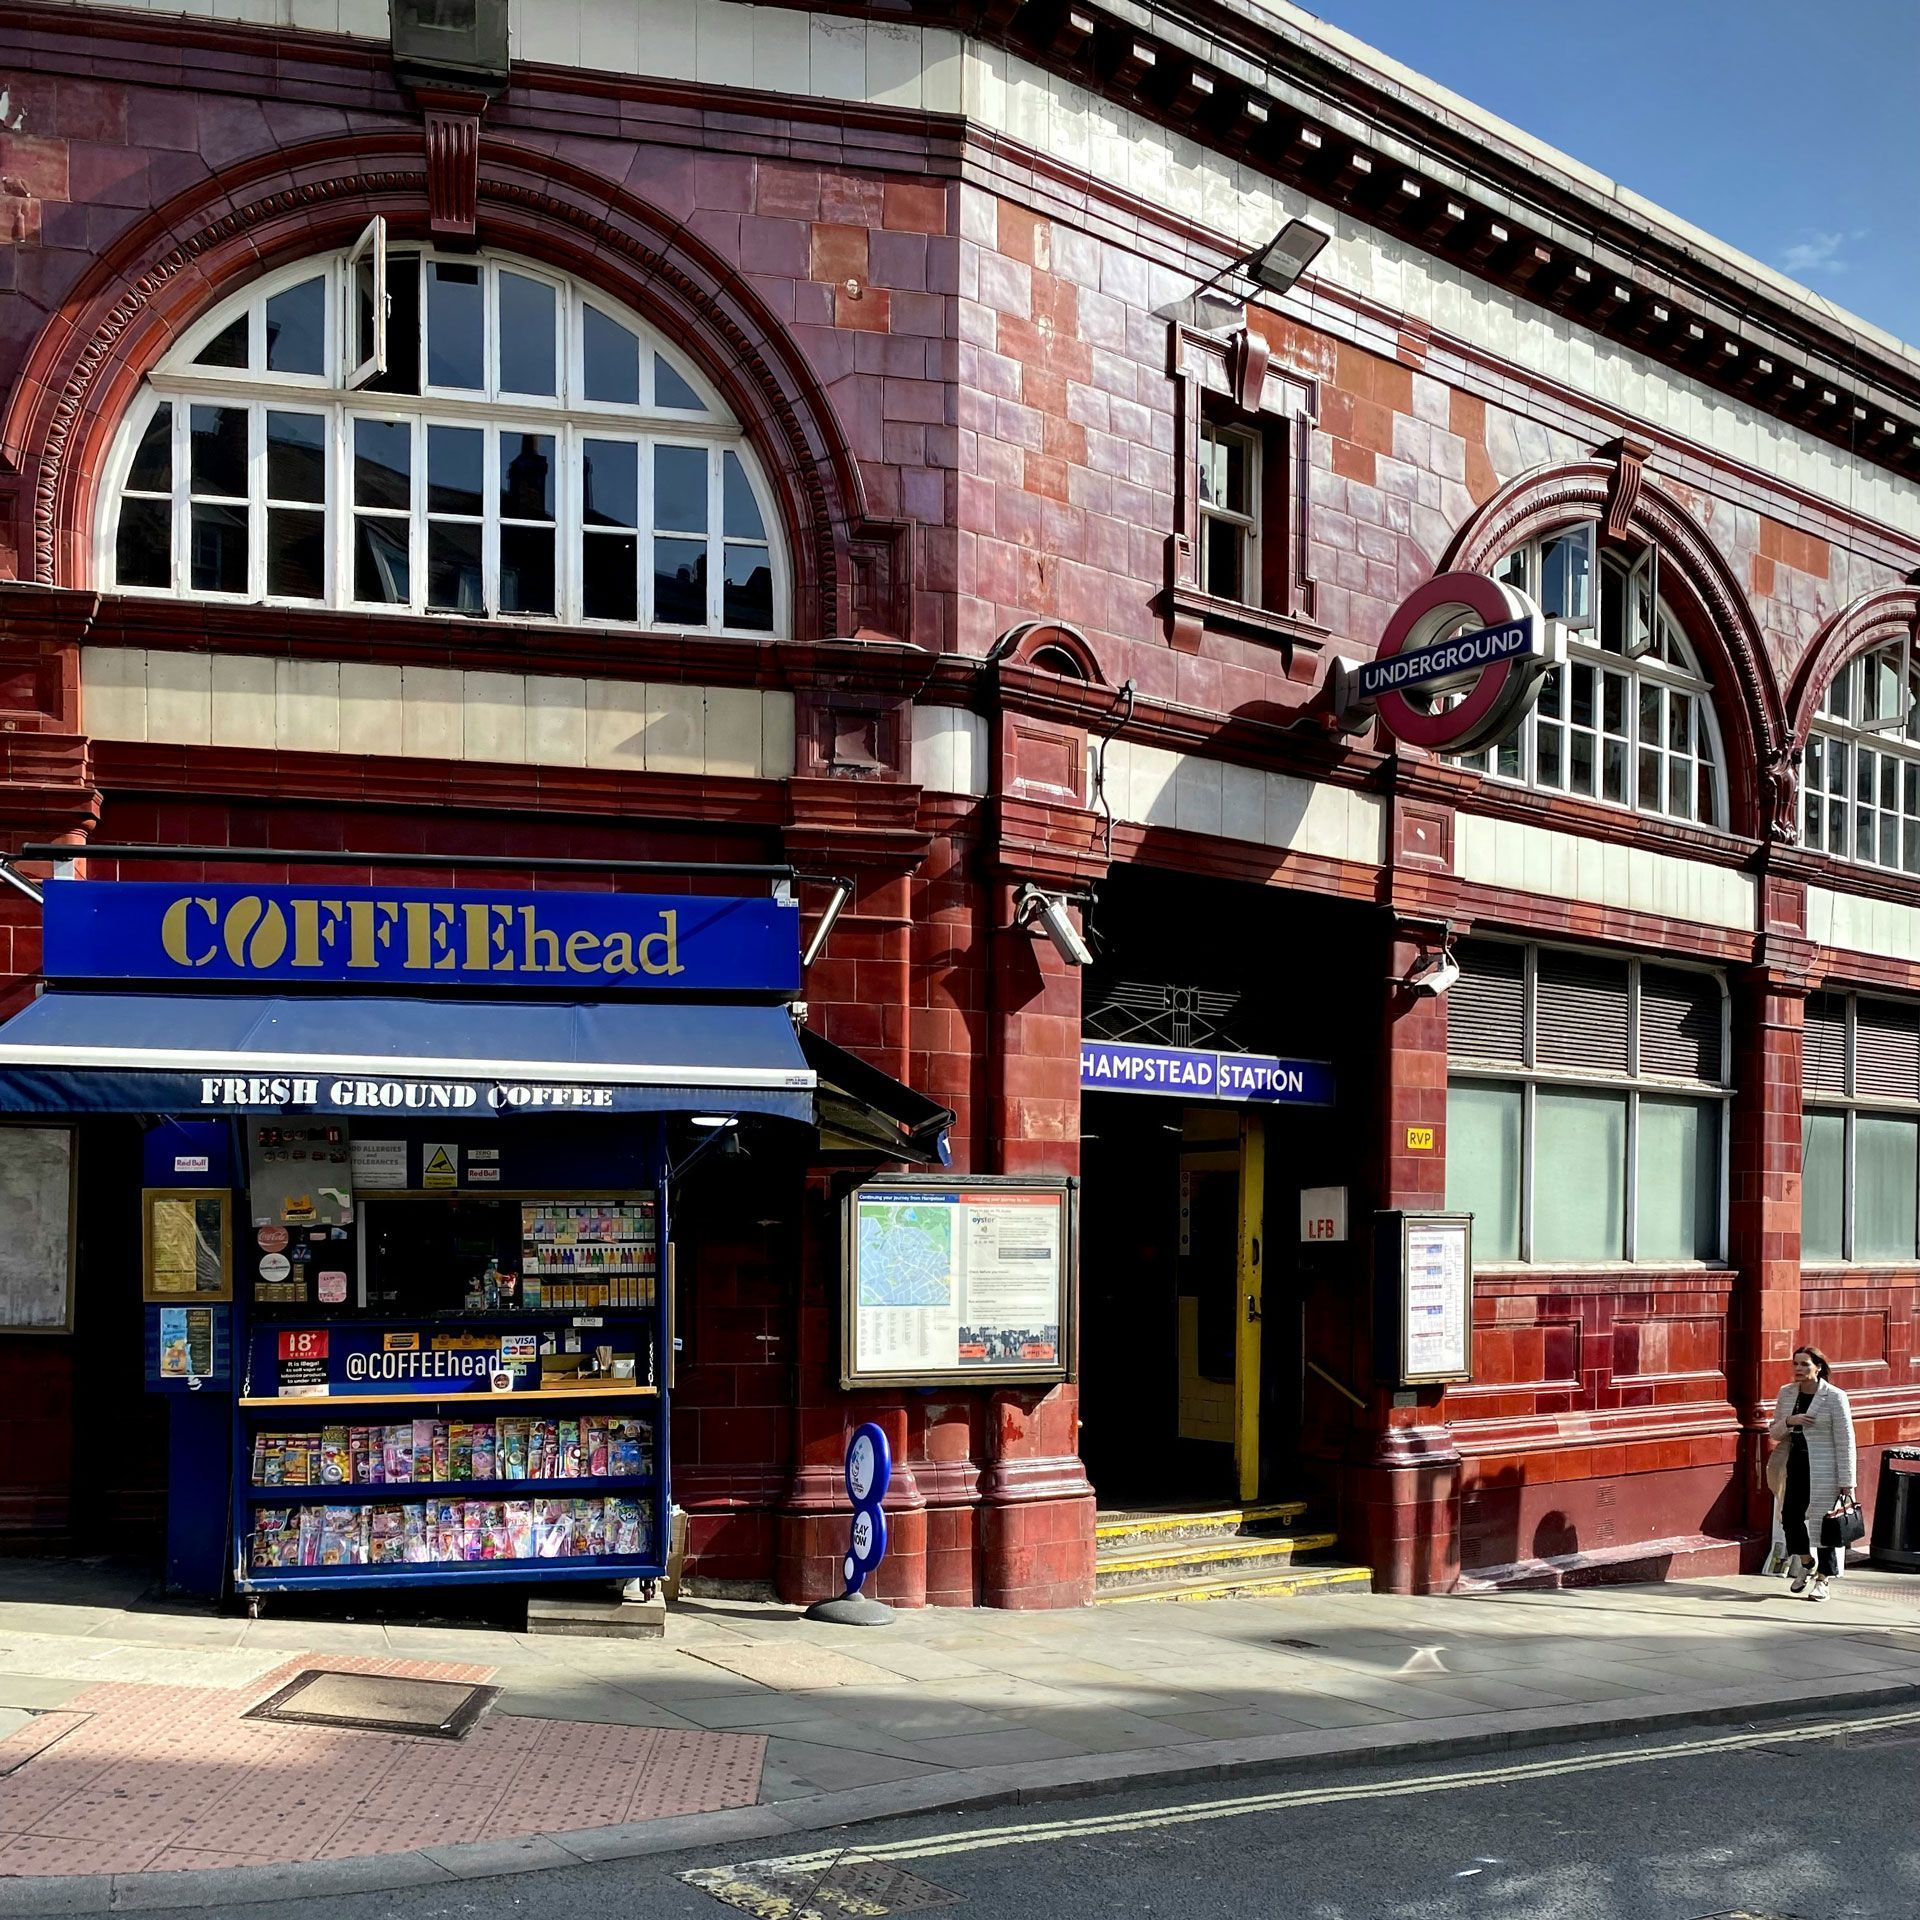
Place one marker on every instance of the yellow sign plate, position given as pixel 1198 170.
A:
pixel 1419 1139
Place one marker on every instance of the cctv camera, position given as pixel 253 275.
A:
pixel 1055 922
pixel 1433 974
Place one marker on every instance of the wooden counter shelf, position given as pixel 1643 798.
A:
pixel 623 1391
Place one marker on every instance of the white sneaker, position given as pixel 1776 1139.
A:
pixel 1797 1571
pixel 1818 1591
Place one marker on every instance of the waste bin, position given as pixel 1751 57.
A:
pixel 1896 1511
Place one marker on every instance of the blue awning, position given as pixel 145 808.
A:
pixel 81 1052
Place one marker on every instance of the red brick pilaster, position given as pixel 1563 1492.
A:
pixel 1763 1211
pixel 1409 1486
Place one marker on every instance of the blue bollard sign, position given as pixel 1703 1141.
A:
pixel 869 1474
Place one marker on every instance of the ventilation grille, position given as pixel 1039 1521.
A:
pixel 1580 1013
pixel 1823 1066
pixel 1680 1024
pixel 1485 1007
pixel 1886 1051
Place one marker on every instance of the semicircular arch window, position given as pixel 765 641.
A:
pixel 1860 773
pixel 1628 719
pixel 524 448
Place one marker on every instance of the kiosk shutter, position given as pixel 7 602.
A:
pixel 1680 1024
pixel 1486 1005
pixel 1824 1049
pixel 1580 1013
pixel 1886 1051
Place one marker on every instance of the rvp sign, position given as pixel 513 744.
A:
pixel 1496 667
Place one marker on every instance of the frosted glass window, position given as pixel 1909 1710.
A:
pixel 1579 1182
pixel 1483 1164
pixel 1823 1184
pixel 1679 1211
pixel 1886 1168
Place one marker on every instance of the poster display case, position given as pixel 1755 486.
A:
pixel 1424 1265
pixel 967 1280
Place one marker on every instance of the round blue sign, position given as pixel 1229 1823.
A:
pixel 869 1474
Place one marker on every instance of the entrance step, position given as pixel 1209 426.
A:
pixel 1153 1524
pixel 1303 1580
pixel 1211 1553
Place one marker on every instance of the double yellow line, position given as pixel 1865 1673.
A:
pixel 1037 1832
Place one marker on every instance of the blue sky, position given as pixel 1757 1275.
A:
pixel 1788 128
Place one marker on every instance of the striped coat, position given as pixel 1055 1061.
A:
pixel 1831 1460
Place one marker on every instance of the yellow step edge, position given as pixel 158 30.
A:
pixel 1202 1551
pixel 1182 1522
pixel 1307 1581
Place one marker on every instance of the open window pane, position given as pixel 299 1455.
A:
pixel 526 332
pixel 1679 1215
pixel 1886 1168
pixel 456 326
pixel 1579 1179
pixel 1483 1164
pixel 1823 1184
pixel 297 329
pixel 611 371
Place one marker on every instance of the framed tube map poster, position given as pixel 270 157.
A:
pixel 968 1280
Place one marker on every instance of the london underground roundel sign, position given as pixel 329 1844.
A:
pixel 1496 665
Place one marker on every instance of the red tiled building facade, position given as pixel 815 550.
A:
pixel 813 450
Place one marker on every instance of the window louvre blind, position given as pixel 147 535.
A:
pixel 1680 1024
pixel 1580 1013
pixel 1485 1011
pixel 1886 1051
pixel 1824 1049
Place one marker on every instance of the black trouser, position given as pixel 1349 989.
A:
pixel 1793 1509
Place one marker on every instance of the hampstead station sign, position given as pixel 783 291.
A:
pixel 1493 671
pixel 1196 1073
pixel 420 937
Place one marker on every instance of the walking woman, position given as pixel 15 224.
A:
pixel 1813 1421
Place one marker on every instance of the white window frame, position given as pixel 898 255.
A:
pixel 1251 439
pixel 1836 743
pixel 565 416
pixel 372 243
pixel 1518 761
pixel 1531 1077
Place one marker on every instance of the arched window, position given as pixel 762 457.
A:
pixel 1629 719
pixel 1860 779
pixel 519 446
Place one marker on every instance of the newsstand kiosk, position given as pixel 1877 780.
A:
pixel 406 1212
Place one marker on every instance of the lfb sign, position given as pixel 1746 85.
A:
pixel 1461 661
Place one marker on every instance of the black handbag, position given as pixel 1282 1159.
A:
pixel 1844 1525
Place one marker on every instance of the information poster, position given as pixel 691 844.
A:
pixel 963 1281
pixel 186 1343
pixel 1439 1300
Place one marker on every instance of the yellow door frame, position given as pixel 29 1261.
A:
pixel 1246 1371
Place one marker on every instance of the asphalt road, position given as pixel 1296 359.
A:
pixel 1807 1825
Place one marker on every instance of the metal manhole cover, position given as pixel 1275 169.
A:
pixel 801 1890
pixel 377 1703
pixel 1745 1913
pixel 1301 1646
pixel 1886 1737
